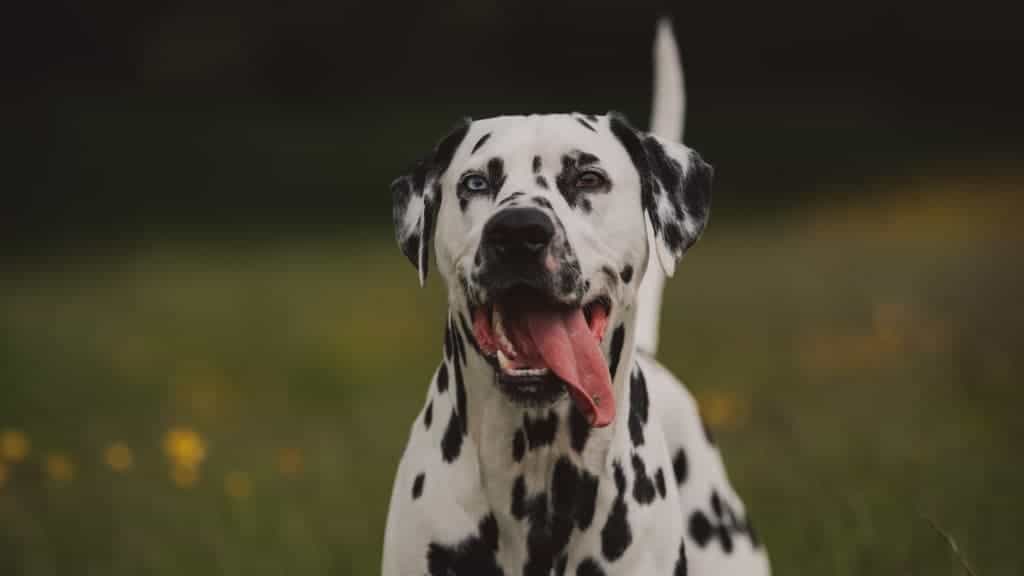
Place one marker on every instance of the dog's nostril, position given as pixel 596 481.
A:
pixel 519 230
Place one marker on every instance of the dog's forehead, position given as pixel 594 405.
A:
pixel 545 136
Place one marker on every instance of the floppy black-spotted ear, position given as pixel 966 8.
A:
pixel 675 188
pixel 416 197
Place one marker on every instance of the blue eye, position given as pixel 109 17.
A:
pixel 476 183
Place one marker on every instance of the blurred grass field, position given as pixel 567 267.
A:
pixel 218 409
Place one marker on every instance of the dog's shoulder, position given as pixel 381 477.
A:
pixel 438 516
pixel 720 537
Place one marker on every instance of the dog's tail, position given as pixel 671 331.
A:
pixel 668 112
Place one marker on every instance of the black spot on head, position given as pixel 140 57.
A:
pixel 536 164
pixel 659 481
pixel 540 432
pixel 638 406
pixel 579 428
pixel 591 117
pixel 475 555
pixel 643 486
pixel 542 202
pixel 586 159
pixel 589 567
pixel 510 198
pixel 451 442
pixel 681 564
pixel 700 528
pixel 586 124
pixel 442 377
pixel 496 174
pixel 629 139
pixel 480 142
pixel 519 446
pixel 618 339
pixel 428 415
pixel 680 466
pixel 725 539
pixel 417 486
pixel 716 504
pixel 585 204
pixel 626 274
pixel 542 182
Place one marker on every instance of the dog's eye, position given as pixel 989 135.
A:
pixel 590 179
pixel 476 183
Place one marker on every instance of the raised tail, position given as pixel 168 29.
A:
pixel 668 112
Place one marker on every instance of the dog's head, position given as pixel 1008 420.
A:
pixel 538 223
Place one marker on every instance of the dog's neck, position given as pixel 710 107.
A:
pixel 512 440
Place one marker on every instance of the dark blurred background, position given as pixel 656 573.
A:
pixel 212 351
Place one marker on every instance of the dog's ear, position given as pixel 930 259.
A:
pixel 675 188
pixel 416 197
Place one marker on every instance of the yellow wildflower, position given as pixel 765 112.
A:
pixel 237 485
pixel 59 467
pixel 119 457
pixel 14 445
pixel 289 462
pixel 184 447
pixel 721 409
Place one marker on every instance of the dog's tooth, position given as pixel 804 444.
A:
pixel 503 361
pixel 499 331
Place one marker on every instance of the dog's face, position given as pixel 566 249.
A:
pixel 538 223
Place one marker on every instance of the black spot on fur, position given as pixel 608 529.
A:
pixel 451 442
pixel 725 539
pixel 659 481
pixel 591 117
pixel 586 159
pixel 681 564
pixel 496 174
pixel 460 342
pixel 589 567
pixel 540 432
pixel 586 499
pixel 616 535
pixel 519 446
pixel 680 466
pixel 542 202
pixel 565 180
pixel 476 555
pixel 700 528
pixel 448 340
pixel 510 198
pixel 560 566
pixel 518 507
pixel 579 428
pixel 542 182
pixel 480 142
pixel 417 486
pixel 630 140
pixel 536 164
pixel 442 377
pixel 716 504
pixel 428 415
pixel 618 339
pixel 586 124
pixel 626 274
pixel 638 406
pixel 460 396
pixel 643 486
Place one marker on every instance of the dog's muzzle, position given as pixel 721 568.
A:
pixel 515 249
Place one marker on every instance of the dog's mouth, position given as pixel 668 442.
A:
pixel 542 344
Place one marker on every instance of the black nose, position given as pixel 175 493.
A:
pixel 517 233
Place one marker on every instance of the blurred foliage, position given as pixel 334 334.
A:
pixel 211 408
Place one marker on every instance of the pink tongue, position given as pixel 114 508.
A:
pixel 572 352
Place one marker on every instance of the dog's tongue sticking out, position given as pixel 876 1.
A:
pixel 571 351
pixel 561 341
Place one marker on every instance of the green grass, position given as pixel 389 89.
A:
pixel 862 366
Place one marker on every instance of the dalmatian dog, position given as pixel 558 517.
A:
pixel 551 441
